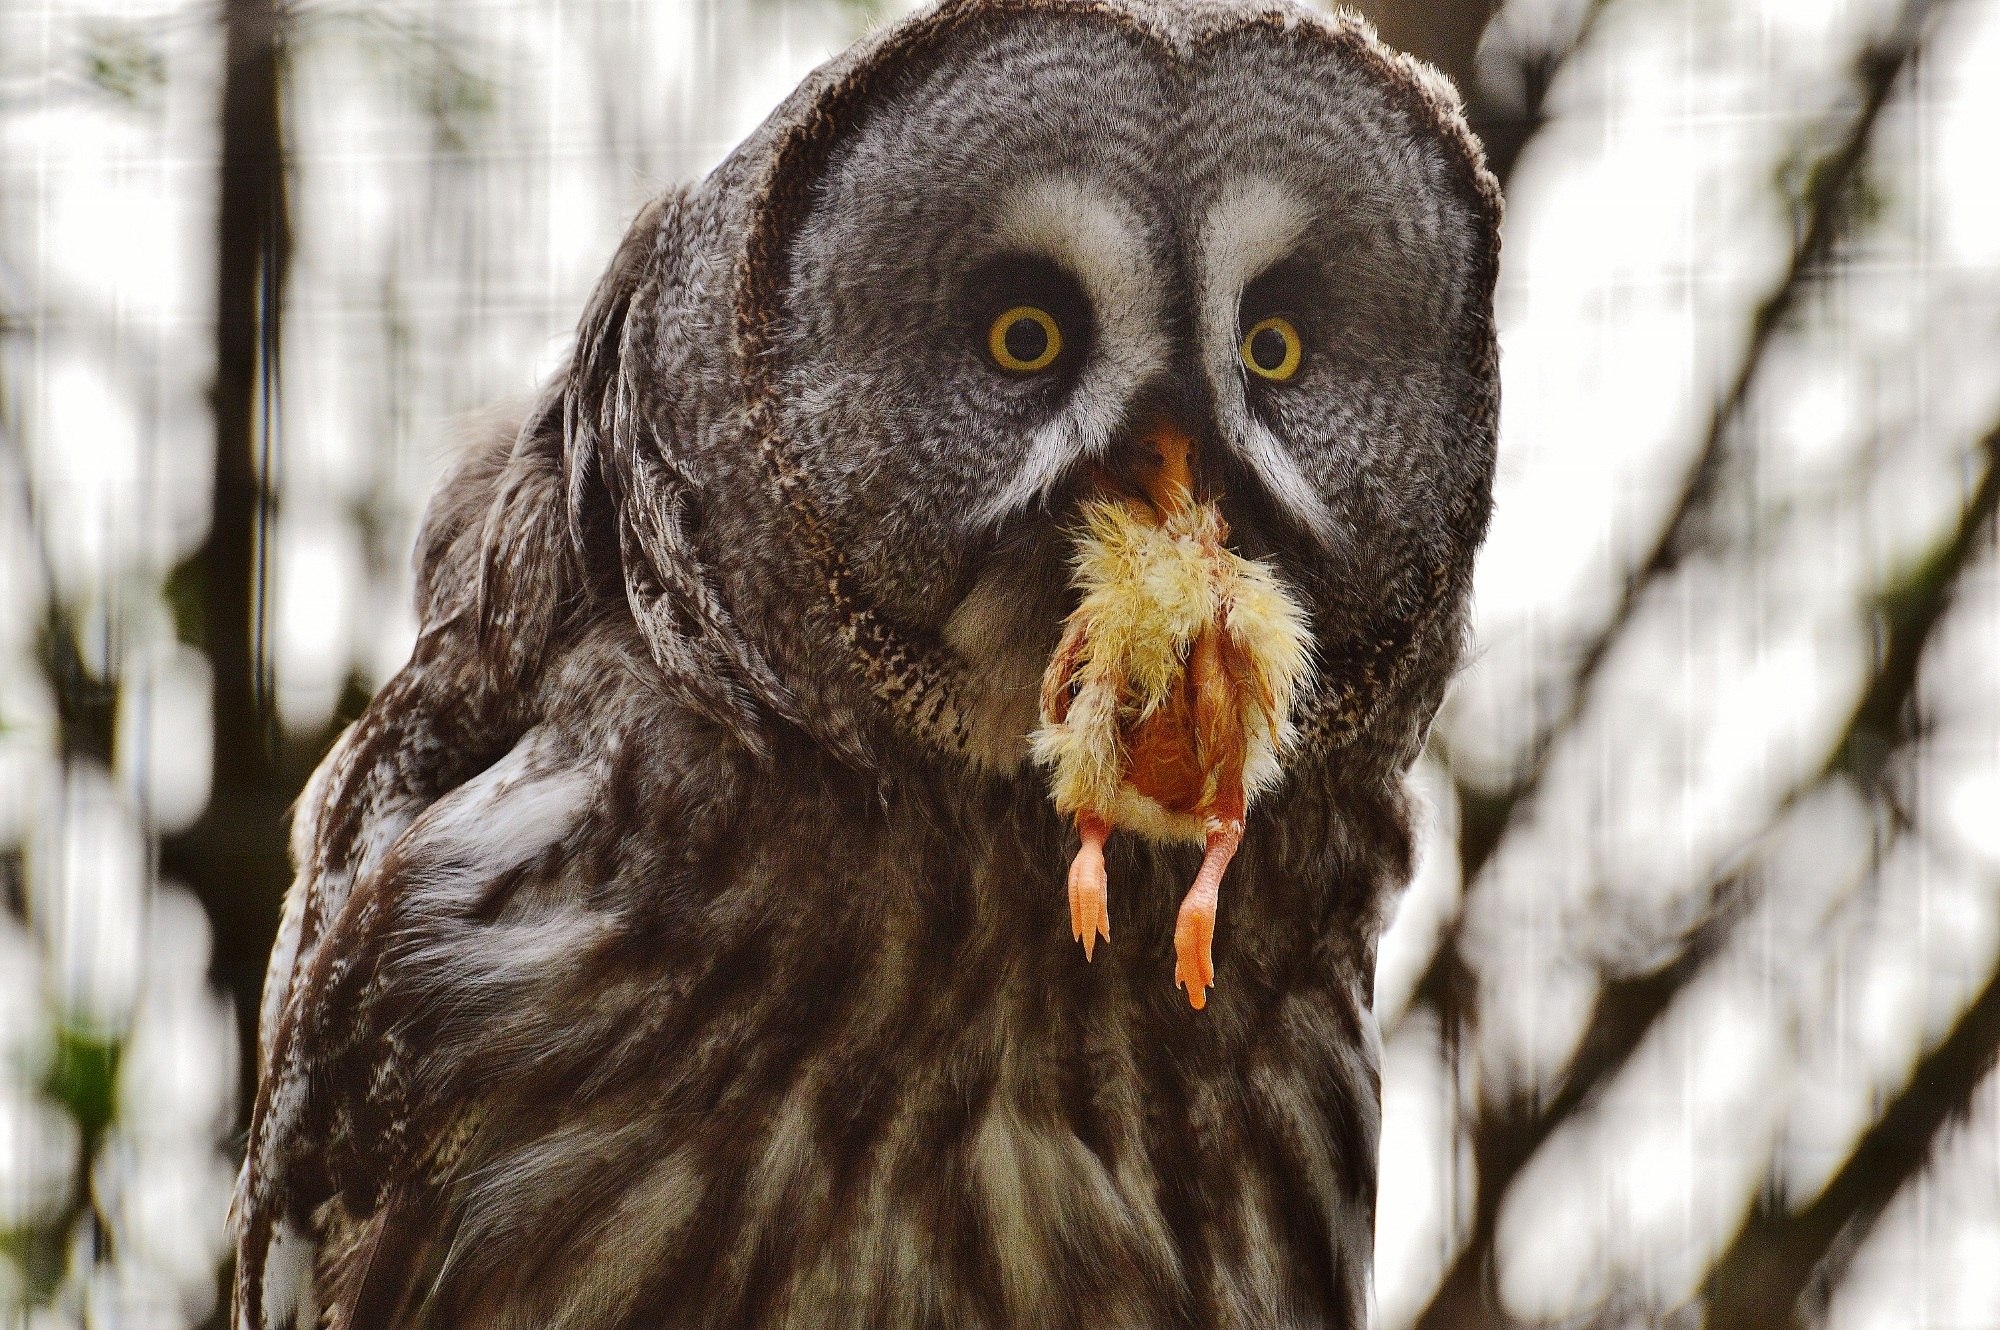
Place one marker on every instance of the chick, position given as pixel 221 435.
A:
pixel 1166 706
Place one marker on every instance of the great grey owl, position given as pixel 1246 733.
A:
pixel 679 939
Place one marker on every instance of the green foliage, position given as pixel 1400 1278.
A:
pixel 83 1077
pixel 117 59
pixel 183 592
pixel 86 705
pixel 39 1254
pixel 80 1078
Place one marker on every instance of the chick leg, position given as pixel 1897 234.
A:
pixel 1215 673
pixel 1194 930
pixel 1089 888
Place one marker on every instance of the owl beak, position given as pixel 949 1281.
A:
pixel 1158 465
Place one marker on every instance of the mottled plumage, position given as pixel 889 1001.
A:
pixel 677 938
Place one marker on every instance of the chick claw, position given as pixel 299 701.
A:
pixel 1089 888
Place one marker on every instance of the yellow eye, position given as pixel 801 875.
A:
pixel 1024 339
pixel 1271 349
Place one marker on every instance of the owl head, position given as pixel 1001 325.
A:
pixel 834 408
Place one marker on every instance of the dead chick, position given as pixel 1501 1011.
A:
pixel 1166 706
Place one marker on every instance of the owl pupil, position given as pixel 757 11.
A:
pixel 1027 340
pixel 1267 349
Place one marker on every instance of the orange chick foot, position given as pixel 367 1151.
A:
pixel 1194 949
pixel 1089 900
pixel 1089 888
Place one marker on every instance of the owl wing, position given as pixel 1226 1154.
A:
pixel 371 1082
pixel 493 576
pixel 475 760
pixel 462 972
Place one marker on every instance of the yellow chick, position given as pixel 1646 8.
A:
pixel 1167 704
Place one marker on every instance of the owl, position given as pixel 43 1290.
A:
pixel 679 939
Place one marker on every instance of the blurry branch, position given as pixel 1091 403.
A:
pixel 454 94
pixel 1508 96
pixel 1780 1257
pixel 85 704
pixel 234 855
pixel 1487 816
pixel 81 1071
pixel 81 1074
pixel 1906 613
pixel 1782 1266
pixel 1826 212
pixel 1506 1135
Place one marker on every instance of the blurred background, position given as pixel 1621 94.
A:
pixel 1691 1015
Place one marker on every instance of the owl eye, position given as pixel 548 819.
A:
pixel 1271 349
pixel 1024 339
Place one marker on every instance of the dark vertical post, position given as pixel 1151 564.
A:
pixel 233 857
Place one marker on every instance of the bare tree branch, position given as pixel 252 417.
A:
pixel 1879 69
pixel 1783 1265
pixel 1488 816
pixel 1505 1135
pixel 1508 97
pixel 85 704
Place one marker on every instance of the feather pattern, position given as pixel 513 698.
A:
pixel 661 955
